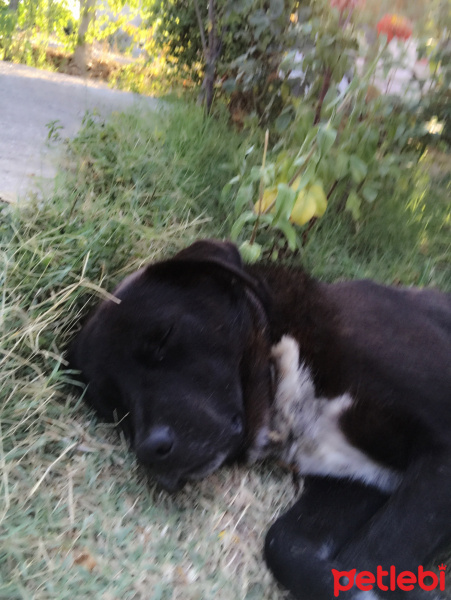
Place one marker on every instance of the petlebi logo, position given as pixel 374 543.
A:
pixel 389 580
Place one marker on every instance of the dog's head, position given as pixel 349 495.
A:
pixel 182 357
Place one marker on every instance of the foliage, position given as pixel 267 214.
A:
pixel 180 159
pixel 177 34
pixel 25 33
pixel 156 77
pixel 345 146
pixel 36 23
pixel 403 238
pixel 267 33
pixel 252 39
pixel 435 104
pixel 176 30
pixel 8 21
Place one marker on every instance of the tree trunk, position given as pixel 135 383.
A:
pixel 212 56
pixel 13 5
pixel 211 51
pixel 81 55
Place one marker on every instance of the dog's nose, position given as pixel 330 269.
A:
pixel 157 445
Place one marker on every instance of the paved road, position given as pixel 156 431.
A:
pixel 29 100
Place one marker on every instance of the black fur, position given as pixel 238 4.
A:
pixel 184 359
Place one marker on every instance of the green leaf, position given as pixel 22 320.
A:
pixel 276 8
pixel 307 141
pixel 341 165
pixel 244 218
pixel 285 199
pixel 369 193
pixel 326 138
pixel 307 176
pixel 260 22
pixel 289 232
pixel 255 174
pixel 400 131
pixel 359 168
pixel 383 168
pixel 267 174
pixel 284 167
pixel 250 252
pixel 284 120
pixel 300 160
pixel 244 198
pixel 353 205
pixel 229 85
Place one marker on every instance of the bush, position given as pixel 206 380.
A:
pixel 342 147
pixel 8 21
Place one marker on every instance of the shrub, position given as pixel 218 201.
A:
pixel 340 147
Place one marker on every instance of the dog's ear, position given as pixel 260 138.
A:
pixel 100 393
pixel 256 361
pixel 222 259
pixel 258 393
pixel 225 254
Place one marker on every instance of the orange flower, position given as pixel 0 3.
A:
pixel 395 26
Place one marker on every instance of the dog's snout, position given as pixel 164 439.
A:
pixel 157 445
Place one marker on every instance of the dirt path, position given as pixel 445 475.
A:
pixel 29 100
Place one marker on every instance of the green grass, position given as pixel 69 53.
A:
pixel 77 518
pixel 404 238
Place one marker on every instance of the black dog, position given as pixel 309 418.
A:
pixel 185 358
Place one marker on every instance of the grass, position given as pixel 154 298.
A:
pixel 77 517
pixel 404 238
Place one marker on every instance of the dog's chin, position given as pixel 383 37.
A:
pixel 174 482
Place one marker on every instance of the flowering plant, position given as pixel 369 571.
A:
pixel 339 147
pixel 394 26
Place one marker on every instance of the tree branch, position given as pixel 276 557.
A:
pixel 201 29
pixel 324 90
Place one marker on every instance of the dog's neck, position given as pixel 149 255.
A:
pixel 304 431
pixel 302 308
pixel 293 299
pixel 280 438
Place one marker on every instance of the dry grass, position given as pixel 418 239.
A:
pixel 81 522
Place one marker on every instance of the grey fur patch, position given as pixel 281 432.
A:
pixel 305 429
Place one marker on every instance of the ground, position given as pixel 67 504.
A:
pixel 32 99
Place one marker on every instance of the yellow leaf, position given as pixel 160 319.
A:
pixel 295 184
pixel 304 208
pixel 267 202
pixel 317 192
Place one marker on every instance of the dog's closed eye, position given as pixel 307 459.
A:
pixel 153 347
